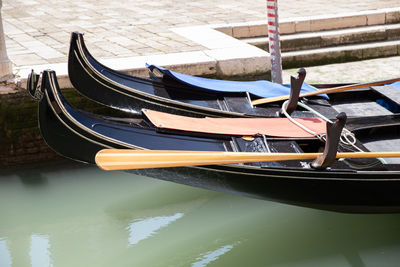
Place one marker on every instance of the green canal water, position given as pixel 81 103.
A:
pixel 69 214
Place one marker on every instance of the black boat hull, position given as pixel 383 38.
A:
pixel 79 136
pixel 130 93
pixel 119 90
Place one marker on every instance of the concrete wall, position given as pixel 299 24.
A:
pixel 20 139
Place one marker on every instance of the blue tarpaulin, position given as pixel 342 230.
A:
pixel 390 105
pixel 395 85
pixel 260 88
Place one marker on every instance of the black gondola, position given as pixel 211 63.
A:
pixel 348 186
pixel 129 93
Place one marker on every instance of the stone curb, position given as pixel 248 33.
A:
pixel 220 62
pixel 315 40
pixel 224 54
pixel 346 53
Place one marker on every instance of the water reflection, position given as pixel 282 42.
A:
pixel 32 178
pixel 5 256
pixel 40 251
pixel 211 256
pixel 142 229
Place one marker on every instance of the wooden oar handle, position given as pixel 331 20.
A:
pixel 132 159
pixel 123 159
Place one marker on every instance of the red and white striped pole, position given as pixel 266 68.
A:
pixel 274 42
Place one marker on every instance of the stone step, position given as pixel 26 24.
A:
pixel 332 38
pixel 341 53
pixel 314 23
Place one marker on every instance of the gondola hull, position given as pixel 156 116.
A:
pixel 80 136
pixel 119 90
pixel 129 93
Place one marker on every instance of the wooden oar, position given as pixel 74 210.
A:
pixel 123 159
pixel 323 91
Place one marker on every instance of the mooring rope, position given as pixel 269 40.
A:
pixel 347 138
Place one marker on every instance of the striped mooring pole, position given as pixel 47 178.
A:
pixel 6 70
pixel 274 42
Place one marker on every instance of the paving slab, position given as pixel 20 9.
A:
pixel 143 27
pixel 38 31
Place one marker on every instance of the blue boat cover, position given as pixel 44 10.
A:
pixel 260 88
pixel 395 85
pixel 390 105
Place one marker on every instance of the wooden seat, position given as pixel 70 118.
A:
pixel 389 92
pixel 361 108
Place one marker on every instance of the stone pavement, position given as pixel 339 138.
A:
pixel 37 31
